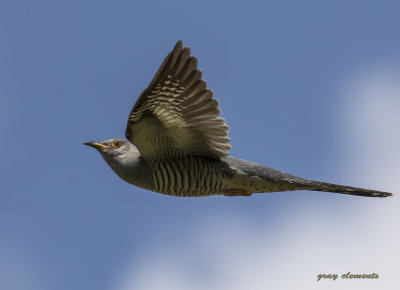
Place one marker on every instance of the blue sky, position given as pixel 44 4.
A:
pixel 307 87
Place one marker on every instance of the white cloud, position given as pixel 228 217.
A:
pixel 230 252
pixel 371 122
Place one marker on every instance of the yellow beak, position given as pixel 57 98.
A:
pixel 97 145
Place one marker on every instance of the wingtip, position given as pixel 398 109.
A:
pixel 178 45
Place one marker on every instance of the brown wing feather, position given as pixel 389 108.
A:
pixel 176 114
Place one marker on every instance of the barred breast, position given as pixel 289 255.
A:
pixel 190 176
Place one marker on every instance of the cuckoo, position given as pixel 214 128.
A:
pixel 177 143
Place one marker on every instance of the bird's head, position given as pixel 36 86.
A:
pixel 116 151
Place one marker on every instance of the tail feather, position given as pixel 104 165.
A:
pixel 343 189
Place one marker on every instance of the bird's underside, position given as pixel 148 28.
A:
pixel 178 144
pixel 199 176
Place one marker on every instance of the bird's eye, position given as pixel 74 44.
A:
pixel 116 144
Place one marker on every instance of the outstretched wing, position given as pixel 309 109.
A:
pixel 176 115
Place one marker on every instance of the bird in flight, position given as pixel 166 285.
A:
pixel 177 143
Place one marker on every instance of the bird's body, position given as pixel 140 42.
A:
pixel 177 144
pixel 200 176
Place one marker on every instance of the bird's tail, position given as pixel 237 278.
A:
pixel 330 187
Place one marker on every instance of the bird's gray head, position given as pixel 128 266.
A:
pixel 116 152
